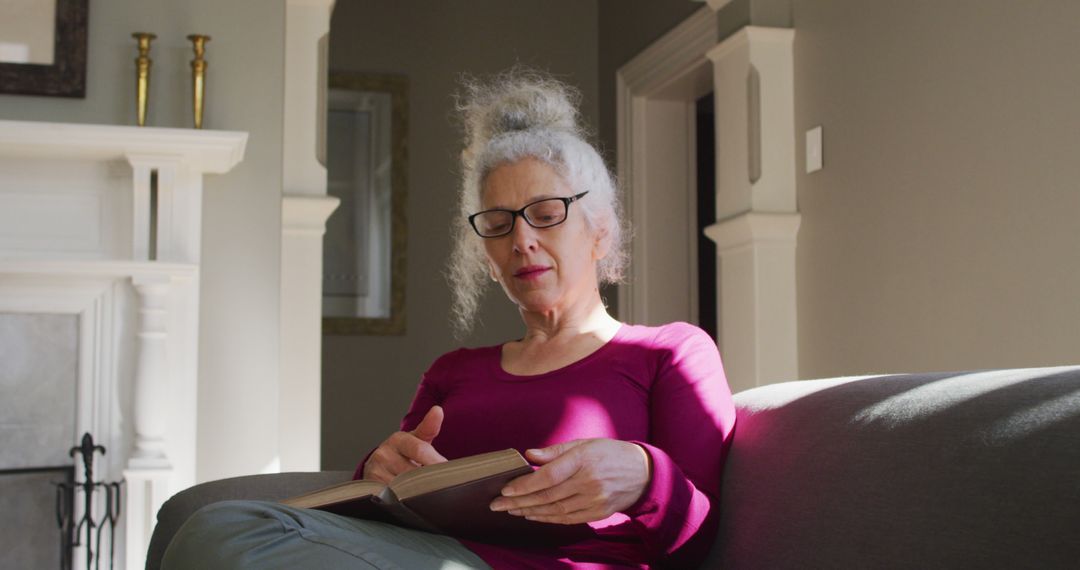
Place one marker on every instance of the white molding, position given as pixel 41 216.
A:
pixel 751 74
pixel 759 332
pixel 666 59
pixel 754 228
pixel 676 57
pixel 304 210
pixel 299 417
pixel 751 35
pixel 306 23
pixel 138 325
pixel 767 53
pixel 718 5
pixel 93 301
pixel 756 201
pixel 306 214
pixel 149 489
pixel 90 268
pixel 207 150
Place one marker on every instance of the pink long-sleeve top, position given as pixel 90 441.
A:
pixel 660 387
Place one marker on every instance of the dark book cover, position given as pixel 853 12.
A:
pixel 464 511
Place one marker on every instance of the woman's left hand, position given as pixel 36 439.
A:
pixel 580 481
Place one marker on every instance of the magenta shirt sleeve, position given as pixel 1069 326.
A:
pixel 691 420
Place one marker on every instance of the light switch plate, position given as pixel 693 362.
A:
pixel 814 161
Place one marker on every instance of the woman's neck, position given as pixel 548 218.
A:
pixel 589 317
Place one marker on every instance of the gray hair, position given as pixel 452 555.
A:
pixel 526 114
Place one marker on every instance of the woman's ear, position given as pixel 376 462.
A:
pixel 492 273
pixel 601 244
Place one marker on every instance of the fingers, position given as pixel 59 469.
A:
pixel 413 448
pixel 385 463
pixel 428 428
pixel 556 471
pixel 581 481
pixel 550 453
pixel 544 496
pixel 544 486
pixel 405 451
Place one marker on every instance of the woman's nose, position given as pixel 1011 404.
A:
pixel 524 236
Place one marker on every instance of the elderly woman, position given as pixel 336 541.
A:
pixel 628 424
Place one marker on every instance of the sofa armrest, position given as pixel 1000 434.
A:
pixel 270 487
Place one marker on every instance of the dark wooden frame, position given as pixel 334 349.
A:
pixel 398 88
pixel 66 77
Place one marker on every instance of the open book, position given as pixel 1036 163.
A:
pixel 450 498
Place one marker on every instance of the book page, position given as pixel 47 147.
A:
pixel 339 493
pixel 442 475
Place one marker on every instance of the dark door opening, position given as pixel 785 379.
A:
pixel 706 215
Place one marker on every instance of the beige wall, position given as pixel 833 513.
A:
pixel 239 278
pixel 368 381
pixel 942 233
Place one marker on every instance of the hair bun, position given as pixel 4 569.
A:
pixel 517 100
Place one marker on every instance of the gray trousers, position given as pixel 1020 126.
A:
pixel 267 535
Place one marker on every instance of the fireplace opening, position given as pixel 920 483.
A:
pixel 31 500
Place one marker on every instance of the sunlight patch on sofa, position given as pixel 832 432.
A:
pixel 772 396
pixel 938 396
pixel 1032 419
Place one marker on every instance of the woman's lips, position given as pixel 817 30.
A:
pixel 530 272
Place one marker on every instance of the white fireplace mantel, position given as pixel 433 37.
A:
pixel 104 222
pixel 210 152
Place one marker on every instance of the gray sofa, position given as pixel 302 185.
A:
pixel 948 470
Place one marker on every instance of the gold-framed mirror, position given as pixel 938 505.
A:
pixel 364 249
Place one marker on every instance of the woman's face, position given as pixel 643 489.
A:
pixel 546 268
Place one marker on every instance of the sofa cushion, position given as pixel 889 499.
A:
pixel 973 469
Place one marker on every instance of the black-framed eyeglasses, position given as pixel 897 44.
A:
pixel 539 214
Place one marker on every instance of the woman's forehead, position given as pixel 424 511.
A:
pixel 516 184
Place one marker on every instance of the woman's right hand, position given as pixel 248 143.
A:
pixel 406 450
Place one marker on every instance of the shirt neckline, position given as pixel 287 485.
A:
pixel 503 374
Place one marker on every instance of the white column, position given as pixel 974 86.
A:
pixel 149 471
pixel 307 28
pixel 145 490
pixel 303 226
pixel 756 275
pixel 756 209
pixel 151 372
pixel 753 81
pixel 304 210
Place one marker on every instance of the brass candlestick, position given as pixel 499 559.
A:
pixel 198 75
pixel 142 75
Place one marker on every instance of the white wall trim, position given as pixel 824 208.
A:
pixel 754 228
pixel 304 210
pixel 306 214
pixel 756 202
pixel 757 297
pixel 672 63
pixel 207 151
pixel 666 59
pixel 751 74
pixel 138 312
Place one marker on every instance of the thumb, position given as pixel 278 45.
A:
pixel 552 452
pixel 431 424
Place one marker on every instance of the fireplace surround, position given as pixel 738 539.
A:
pixel 103 224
